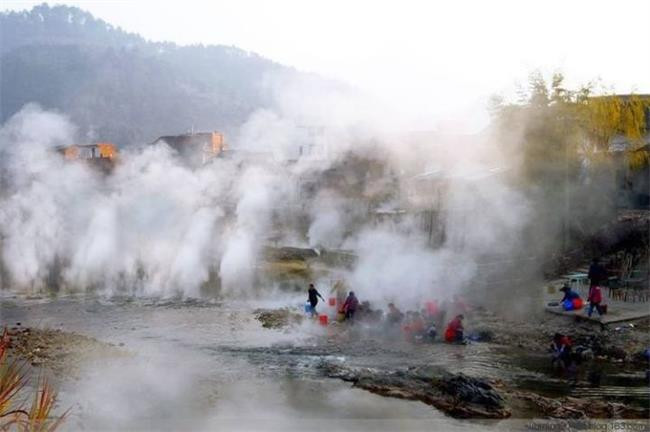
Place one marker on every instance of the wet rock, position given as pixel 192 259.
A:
pixel 277 318
pixel 482 335
pixel 594 378
pixel 614 352
pixel 457 395
pixel 486 335
pixel 289 253
pixel 642 357
pixel 471 390
pixel 573 408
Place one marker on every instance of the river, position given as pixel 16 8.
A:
pixel 207 364
pixel 193 366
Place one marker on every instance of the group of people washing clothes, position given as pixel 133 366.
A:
pixel 416 326
pixel 597 277
pixel 422 326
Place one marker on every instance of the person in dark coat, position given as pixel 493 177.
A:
pixel 313 295
pixel 597 274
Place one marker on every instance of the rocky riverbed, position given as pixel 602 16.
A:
pixel 203 355
pixel 455 394
pixel 510 374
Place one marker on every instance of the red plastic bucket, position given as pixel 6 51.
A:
pixel 332 301
pixel 577 303
pixel 323 320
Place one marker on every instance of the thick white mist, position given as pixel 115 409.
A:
pixel 155 227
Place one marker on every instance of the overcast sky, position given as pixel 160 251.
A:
pixel 436 59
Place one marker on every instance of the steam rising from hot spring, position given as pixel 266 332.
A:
pixel 155 227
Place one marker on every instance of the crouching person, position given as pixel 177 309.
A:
pixel 415 329
pixel 432 332
pixel 454 331
pixel 394 316
pixel 561 349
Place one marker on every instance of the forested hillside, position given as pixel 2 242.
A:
pixel 119 87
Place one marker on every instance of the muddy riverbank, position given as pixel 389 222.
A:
pixel 60 352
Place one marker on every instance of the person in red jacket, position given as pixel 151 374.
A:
pixel 454 332
pixel 595 298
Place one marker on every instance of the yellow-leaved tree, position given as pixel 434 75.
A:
pixel 563 141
